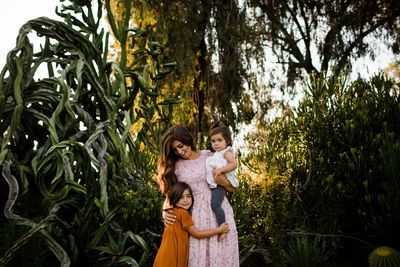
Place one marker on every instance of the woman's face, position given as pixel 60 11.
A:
pixel 185 201
pixel 182 150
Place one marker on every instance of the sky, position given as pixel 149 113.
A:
pixel 14 14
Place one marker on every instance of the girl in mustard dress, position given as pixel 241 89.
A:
pixel 174 248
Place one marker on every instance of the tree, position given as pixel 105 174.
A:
pixel 313 36
pixel 206 39
pixel 217 45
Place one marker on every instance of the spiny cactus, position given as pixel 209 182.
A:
pixel 384 257
pixel 66 151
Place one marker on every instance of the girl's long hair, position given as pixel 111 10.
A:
pixel 168 158
pixel 176 193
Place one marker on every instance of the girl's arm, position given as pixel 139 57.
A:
pixel 193 231
pixel 232 164
pixel 220 178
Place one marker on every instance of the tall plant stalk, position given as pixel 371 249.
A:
pixel 65 139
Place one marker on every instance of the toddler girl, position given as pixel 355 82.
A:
pixel 223 161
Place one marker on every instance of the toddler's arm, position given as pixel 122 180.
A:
pixel 193 231
pixel 232 164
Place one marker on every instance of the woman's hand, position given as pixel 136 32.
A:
pixel 169 218
pixel 216 172
pixel 223 181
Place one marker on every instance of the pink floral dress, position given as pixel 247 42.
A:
pixel 207 252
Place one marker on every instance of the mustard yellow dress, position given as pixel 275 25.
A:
pixel 174 248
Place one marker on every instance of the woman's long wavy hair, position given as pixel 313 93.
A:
pixel 168 158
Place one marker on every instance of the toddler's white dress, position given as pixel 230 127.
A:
pixel 217 161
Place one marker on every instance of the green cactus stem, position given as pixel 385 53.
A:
pixel 384 257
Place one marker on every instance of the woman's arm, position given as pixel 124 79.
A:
pixel 224 182
pixel 193 231
pixel 167 216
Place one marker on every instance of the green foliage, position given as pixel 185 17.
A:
pixel 263 200
pixel 352 133
pixel 304 252
pixel 142 212
pixel 340 146
pixel 261 214
pixel 67 153
pixel 118 253
pixel 32 253
pixel 384 257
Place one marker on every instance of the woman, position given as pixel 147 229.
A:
pixel 181 161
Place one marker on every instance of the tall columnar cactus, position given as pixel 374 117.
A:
pixel 384 257
pixel 65 139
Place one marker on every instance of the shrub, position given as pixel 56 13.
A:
pixel 262 202
pixel 261 214
pixel 302 251
pixel 352 133
pixel 340 146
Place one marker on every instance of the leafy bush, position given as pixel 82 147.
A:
pixel 304 252
pixel 340 146
pixel 261 214
pixel 352 132
pixel 262 202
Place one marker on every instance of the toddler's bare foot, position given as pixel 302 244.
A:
pixel 221 236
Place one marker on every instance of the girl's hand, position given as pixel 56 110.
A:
pixel 169 218
pixel 223 228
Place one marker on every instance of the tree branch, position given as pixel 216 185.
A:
pixel 356 42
